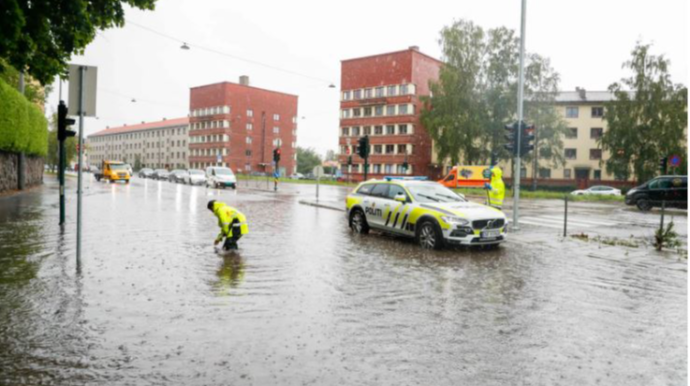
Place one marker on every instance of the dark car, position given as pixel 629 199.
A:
pixel 178 175
pixel 145 173
pixel 672 190
pixel 160 174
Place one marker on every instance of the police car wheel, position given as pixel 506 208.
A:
pixel 429 236
pixel 358 222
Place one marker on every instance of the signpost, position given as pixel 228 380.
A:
pixel 82 102
pixel 674 161
pixel 318 171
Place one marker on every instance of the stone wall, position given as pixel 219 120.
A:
pixel 9 171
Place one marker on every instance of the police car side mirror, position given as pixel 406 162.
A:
pixel 400 198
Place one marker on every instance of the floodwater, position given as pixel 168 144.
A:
pixel 305 301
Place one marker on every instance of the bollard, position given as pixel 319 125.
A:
pixel 661 226
pixel 565 218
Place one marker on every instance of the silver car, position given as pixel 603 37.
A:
pixel 195 177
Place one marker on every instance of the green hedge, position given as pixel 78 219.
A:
pixel 23 128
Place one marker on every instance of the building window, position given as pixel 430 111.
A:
pixel 355 131
pixel 596 132
pixel 346 95
pixel 570 153
pixel 597 174
pixel 597 112
pixel 357 94
pixel 250 113
pixel 378 149
pixel 346 113
pixel 378 130
pixel 388 169
pixel 571 132
pixel 390 129
pixel 377 168
pixel 402 129
pixel 544 173
pixel 378 111
pixel 248 153
pixel 390 110
pixel 402 149
pixel 390 149
pixel 346 131
pixel 379 92
pixel 595 154
pixel 392 90
pixel 566 173
pixel 367 111
pixel 357 112
pixel 367 130
pixel 276 130
pixel 250 126
pixel 367 93
pixel 402 109
pixel 403 89
pixel 571 112
pixel 249 140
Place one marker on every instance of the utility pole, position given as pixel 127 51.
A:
pixel 82 70
pixel 521 81
pixel 535 162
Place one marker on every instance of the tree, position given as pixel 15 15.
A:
pixel 647 118
pixel 34 92
pixel 307 159
pixel 476 95
pixel 39 37
pixel 541 112
pixel 53 157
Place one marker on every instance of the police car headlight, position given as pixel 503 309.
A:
pixel 455 220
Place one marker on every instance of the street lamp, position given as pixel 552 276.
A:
pixel 184 46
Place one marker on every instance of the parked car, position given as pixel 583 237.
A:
pixel 672 190
pixel 160 174
pixel 217 177
pixel 195 177
pixel 177 175
pixel 146 173
pixel 598 189
pixel 297 176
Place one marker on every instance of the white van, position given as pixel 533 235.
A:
pixel 217 177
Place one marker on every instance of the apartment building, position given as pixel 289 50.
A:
pixel 237 125
pixel 380 98
pixel 161 144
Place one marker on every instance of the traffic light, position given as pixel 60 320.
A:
pixel 363 147
pixel 663 163
pixel 511 136
pixel 276 155
pixel 526 138
pixel 63 123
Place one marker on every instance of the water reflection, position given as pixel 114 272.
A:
pixel 230 274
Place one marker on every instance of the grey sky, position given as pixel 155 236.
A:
pixel 586 40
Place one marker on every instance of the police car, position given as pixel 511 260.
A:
pixel 431 213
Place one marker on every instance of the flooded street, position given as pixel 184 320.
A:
pixel 306 301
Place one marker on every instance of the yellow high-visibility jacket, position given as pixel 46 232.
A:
pixel 498 188
pixel 226 215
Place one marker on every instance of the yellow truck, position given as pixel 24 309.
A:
pixel 113 171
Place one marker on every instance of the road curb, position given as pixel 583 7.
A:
pixel 321 205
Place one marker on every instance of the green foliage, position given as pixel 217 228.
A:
pixel 646 120
pixel 666 237
pixel 307 159
pixel 41 36
pixel 23 128
pixel 476 96
pixel 33 91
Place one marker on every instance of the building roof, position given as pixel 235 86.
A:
pixel 244 85
pixel 142 126
pixel 413 49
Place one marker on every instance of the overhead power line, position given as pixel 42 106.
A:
pixel 186 45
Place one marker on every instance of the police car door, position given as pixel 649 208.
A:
pixel 395 212
pixel 374 205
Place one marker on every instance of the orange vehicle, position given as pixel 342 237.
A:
pixel 113 171
pixel 466 177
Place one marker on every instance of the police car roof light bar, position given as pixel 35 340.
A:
pixel 416 178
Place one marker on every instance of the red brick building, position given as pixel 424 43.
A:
pixel 381 98
pixel 238 126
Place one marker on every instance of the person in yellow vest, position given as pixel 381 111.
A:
pixel 232 223
pixel 496 189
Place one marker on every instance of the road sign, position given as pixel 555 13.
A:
pixel 674 161
pixel 90 83
pixel 318 171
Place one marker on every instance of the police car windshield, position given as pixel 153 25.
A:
pixel 430 193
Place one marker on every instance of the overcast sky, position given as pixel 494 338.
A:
pixel 587 42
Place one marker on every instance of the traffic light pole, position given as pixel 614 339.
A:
pixel 521 81
pixel 61 178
